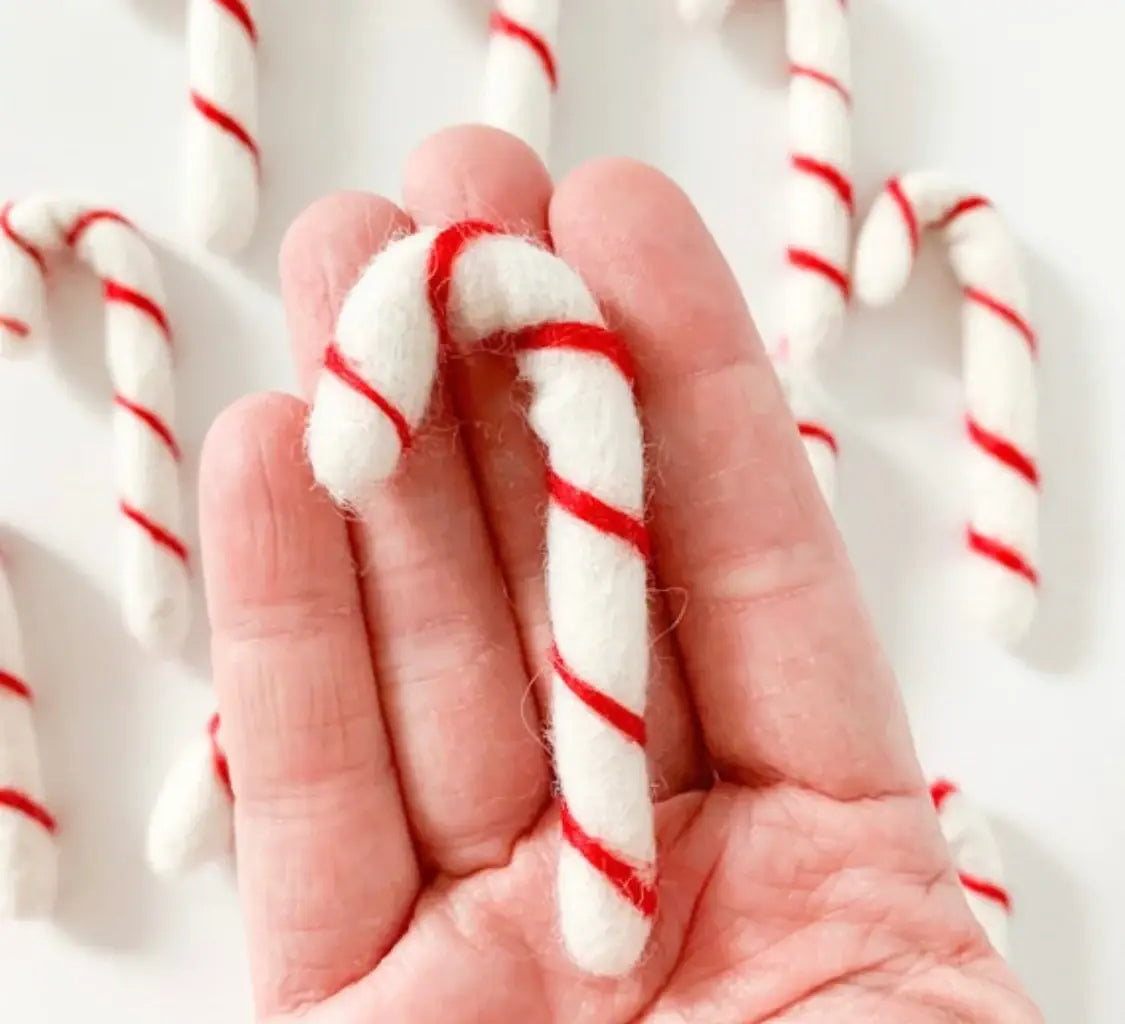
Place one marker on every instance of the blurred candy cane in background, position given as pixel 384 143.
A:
pixel 221 172
pixel 521 73
pixel 1000 356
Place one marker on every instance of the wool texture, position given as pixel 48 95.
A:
pixel 221 171
pixel 521 73
pixel 192 823
pixel 976 856
pixel 28 852
pixel 155 583
pixel 442 289
pixel 1001 585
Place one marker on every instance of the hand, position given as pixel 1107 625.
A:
pixel 380 679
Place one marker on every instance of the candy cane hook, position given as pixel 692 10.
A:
pixel 436 289
pixel 999 367
pixel 155 595
pixel 28 853
pixel 521 74
pixel 976 856
pixel 222 160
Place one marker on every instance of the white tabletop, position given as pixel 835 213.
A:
pixel 1023 106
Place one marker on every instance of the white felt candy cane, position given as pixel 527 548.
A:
pixel 999 367
pixel 28 854
pixel 457 286
pixel 976 856
pixel 222 163
pixel 155 594
pixel 192 823
pixel 521 75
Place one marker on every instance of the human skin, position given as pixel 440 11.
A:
pixel 381 678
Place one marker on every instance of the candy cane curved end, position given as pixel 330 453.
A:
pixel 1000 356
pixel 156 589
pixel 440 289
pixel 704 12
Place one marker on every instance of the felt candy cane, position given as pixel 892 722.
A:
pixel 999 368
pixel 155 595
pixel 976 856
pixel 454 287
pixel 222 162
pixel 28 854
pixel 521 75
pixel 192 823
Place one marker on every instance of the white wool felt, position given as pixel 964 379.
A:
pixel 583 410
pixel 28 851
pixel 221 173
pixel 518 86
pixel 155 583
pixel 192 823
pixel 999 373
pixel 810 408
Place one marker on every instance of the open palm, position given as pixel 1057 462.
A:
pixel 380 680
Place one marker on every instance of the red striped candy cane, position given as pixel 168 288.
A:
pixel 222 162
pixel 192 823
pixel 1000 370
pixel 455 287
pixel 155 597
pixel 28 854
pixel 976 856
pixel 521 74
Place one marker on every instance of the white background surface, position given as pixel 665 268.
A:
pixel 1022 104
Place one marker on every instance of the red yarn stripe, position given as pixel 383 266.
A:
pixel 814 264
pixel 1004 451
pixel 19 241
pixel 1002 554
pixel 336 363
pixel 15 685
pixel 241 13
pixel 1005 312
pixel 602 517
pixel 503 25
pixel 834 178
pixel 579 337
pixel 895 190
pixel 21 803
pixel 941 791
pixel 448 245
pixel 817 432
pixel 161 536
pixel 989 890
pixel 621 875
pixel 816 75
pixel 225 122
pixel 115 291
pixel 625 721
pixel 148 417
pixel 17 327
pixel 219 757
pixel 91 217
pixel 958 209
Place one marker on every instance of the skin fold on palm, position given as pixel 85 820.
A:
pixel 381 675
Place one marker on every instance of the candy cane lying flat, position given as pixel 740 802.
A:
pixel 28 854
pixel 976 855
pixel 455 287
pixel 222 164
pixel 521 74
pixel 1000 369
pixel 138 350
pixel 192 823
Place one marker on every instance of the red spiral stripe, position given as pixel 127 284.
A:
pixel 21 803
pixel 624 877
pixel 502 24
pixel 13 684
pixel 218 756
pixel 811 431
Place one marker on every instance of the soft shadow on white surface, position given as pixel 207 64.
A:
pixel 754 34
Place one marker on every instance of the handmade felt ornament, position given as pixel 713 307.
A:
pixel 1002 578
pixel 28 852
pixel 521 74
pixel 221 171
pixel 155 583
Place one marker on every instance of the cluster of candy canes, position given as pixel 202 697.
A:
pixel 1001 586
pixel 222 162
pixel 521 74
